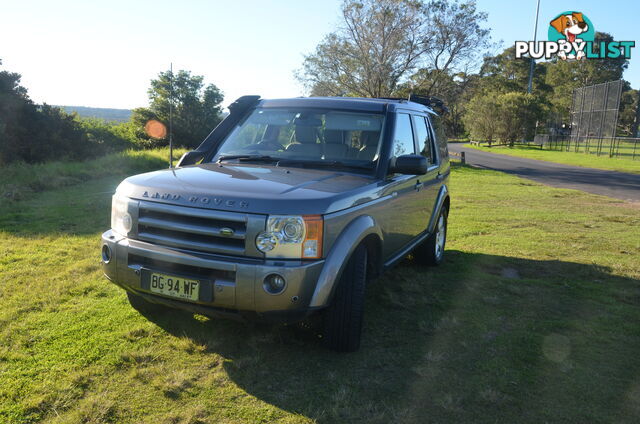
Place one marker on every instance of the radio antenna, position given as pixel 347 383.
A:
pixel 171 115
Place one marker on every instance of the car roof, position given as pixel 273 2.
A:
pixel 362 104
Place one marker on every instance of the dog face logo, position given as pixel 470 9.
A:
pixel 571 27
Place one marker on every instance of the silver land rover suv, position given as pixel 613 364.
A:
pixel 287 209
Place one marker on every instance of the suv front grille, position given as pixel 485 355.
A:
pixel 188 270
pixel 193 228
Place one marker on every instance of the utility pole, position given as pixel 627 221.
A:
pixel 533 62
pixel 171 115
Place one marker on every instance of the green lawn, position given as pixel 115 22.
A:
pixel 533 318
pixel 20 180
pixel 568 158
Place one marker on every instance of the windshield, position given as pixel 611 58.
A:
pixel 309 137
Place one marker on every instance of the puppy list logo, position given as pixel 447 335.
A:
pixel 572 36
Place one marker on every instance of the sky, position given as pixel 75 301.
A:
pixel 103 54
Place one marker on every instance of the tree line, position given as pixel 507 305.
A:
pixel 35 133
pixel 391 48
pixel 382 48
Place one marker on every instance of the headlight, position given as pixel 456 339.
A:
pixel 291 236
pixel 121 220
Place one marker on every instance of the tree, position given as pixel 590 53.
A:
pixel 39 133
pixel 505 117
pixel 455 89
pixel 13 101
pixel 629 112
pixel 518 115
pixel 504 73
pixel 196 108
pixel 566 76
pixel 108 135
pixel 481 117
pixel 457 43
pixel 381 42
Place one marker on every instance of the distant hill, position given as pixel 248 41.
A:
pixel 108 114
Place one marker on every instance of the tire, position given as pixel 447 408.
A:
pixel 343 318
pixel 431 251
pixel 144 307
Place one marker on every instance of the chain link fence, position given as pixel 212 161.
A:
pixel 623 147
pixel 594 120
pixel 594 111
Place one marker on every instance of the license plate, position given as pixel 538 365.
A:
pixel 170 285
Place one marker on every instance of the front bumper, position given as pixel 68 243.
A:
pixel 230 286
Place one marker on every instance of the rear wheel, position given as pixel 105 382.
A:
pixel 343 319
pixel 431 252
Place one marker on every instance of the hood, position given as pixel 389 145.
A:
pixel 252 188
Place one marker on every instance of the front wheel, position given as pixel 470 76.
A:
pixel 343 319
pixel 431 252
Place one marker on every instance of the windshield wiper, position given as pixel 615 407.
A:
pixel 302 162
pixel 261 158
pixel 325 163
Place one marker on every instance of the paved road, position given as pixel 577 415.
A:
pixel 619 185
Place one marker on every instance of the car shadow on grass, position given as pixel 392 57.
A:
pixel 480 338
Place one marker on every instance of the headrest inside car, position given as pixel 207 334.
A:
pixel 306 135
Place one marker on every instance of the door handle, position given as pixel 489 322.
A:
pixel 419 185
pixel 439 177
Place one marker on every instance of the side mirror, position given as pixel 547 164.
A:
pixel 190 158
pixel 409 165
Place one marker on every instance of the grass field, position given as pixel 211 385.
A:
pixel 20 180
pixel 568 158
pixel 534 318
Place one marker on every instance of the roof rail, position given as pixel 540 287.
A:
pixel 401 99
pixel 435 103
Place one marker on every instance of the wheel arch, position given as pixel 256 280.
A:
pixel 373 244
pixel 442 201
pixel 361 230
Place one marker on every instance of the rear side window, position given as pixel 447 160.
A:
pixel 403 136
pixel 425 141
pixel 441 138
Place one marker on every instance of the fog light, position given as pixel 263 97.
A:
pixel 274 284
pixel 106 254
